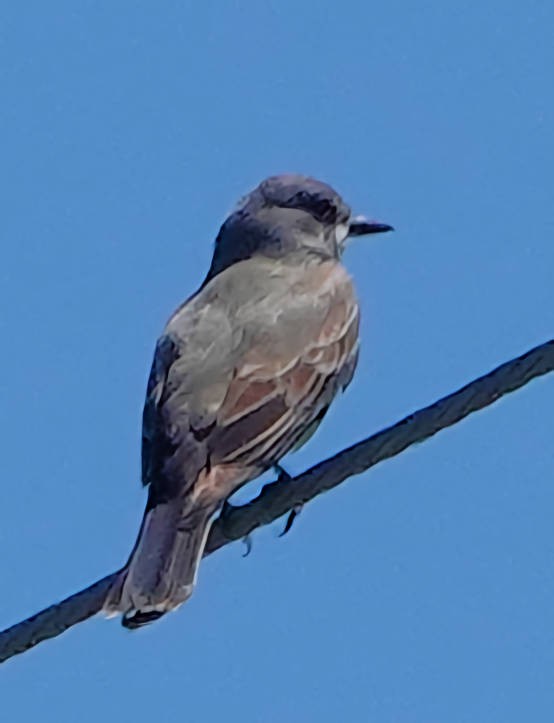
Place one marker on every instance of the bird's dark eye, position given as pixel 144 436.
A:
pixel 320 208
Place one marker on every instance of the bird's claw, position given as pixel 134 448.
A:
pixel 293 514
pixel 248 544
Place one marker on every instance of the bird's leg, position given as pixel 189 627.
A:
pixel 226 508
pixel 284 476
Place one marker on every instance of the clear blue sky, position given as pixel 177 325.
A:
pixel 422 591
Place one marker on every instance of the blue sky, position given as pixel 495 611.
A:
pixel 421 591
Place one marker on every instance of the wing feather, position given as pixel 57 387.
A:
pixel 241 381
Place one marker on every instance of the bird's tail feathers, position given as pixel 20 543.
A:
pixel 161 572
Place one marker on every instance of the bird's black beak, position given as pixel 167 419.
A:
pixel 360 226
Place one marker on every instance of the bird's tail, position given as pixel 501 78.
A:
pixel 161 572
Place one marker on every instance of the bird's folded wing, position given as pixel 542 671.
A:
pixel 261 377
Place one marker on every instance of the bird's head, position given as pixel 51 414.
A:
pixel 287 214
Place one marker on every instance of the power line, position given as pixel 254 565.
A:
pixel 279 497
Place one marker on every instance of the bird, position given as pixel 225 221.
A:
pixel 243 373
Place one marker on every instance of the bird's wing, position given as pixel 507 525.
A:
pixel 289 370
pixel 241 375
pixel 190 373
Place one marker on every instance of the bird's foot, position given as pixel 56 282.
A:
pixel 247 540
pixel 284 476
pixel 293 514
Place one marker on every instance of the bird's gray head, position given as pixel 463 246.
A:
pixel 287 214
